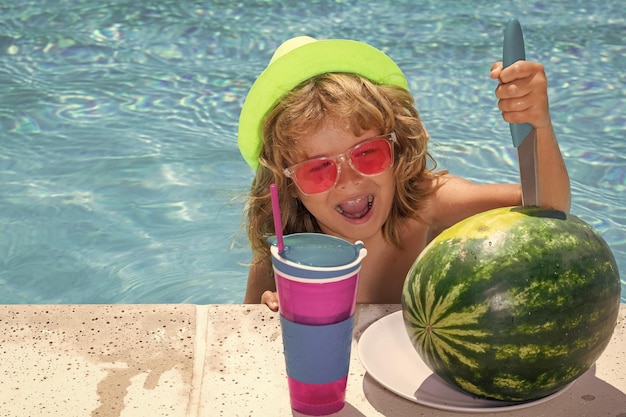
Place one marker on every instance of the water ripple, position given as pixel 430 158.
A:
pixel 120 174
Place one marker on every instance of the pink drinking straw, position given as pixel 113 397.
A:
pixel 278 226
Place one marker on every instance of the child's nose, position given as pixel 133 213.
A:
pixel 347 176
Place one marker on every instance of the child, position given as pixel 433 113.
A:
pixel 332 123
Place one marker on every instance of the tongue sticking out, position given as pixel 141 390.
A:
pixel 357 208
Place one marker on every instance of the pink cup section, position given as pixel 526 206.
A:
pixel 317 399
pixel 317 303
pixel 317 295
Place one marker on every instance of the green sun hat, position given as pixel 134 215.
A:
pixel 297 60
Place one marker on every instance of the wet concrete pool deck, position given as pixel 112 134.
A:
pixel 212 360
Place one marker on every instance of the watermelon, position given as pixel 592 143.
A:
pixel 512 304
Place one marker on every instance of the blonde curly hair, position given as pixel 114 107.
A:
pixel 360 104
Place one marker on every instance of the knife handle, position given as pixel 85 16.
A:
pixel 513 51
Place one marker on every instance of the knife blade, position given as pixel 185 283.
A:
pixel 523 134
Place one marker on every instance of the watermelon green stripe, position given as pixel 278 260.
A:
pixel 513 303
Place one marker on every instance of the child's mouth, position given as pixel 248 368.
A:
pixel 357 208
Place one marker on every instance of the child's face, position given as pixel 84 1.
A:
pixel 357 206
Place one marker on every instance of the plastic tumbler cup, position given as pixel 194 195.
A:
pixel 316 279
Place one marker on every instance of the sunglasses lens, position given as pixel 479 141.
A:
pixel 316 175
pixel 369 158
pixel 372 157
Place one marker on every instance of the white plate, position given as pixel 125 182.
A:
pixel 389 357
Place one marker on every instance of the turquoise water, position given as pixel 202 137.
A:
pixel 120 178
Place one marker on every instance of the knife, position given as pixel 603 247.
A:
pixel 523 134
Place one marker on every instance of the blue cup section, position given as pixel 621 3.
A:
pixel 317 354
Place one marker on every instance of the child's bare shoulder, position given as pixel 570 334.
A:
pixel 455 198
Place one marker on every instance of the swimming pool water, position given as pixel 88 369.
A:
pixel 120 177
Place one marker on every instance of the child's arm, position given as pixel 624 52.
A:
pixel 456 198
pixel 261 286
pixel 523 98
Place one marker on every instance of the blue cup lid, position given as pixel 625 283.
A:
pixel 318 250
